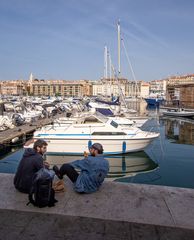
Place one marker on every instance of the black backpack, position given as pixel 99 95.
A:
pixel 42 194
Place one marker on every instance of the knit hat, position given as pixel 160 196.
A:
pixel 97 146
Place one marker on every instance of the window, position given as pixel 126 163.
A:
pixel 114 124
pixel 109 133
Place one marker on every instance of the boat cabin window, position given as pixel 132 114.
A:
pixel 114 124
pixel 126 125
pixel 108 133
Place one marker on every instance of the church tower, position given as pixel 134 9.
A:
pixel 31 78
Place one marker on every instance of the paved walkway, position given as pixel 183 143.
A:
pixel 117 211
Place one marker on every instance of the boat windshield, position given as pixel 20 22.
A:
pixel 103 118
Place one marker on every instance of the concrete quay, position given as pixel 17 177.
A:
pixel 116 211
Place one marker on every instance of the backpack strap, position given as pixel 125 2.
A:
pixel 30 197
pixel 31 200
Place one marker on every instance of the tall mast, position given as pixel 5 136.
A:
pixel 106 69
pixel 119 63
pixel 105 63
pixel 110 65
pixel 119 48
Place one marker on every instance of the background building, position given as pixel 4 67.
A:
pixel 180 90
pixel 158 87
pixel 17 87
pixel 109 87
pixel 60 88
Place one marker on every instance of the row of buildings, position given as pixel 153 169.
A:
pixel 175 88
pixel 105 87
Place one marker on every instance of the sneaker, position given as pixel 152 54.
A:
pixel 57 172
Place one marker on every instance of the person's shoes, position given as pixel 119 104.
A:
pixel 57 172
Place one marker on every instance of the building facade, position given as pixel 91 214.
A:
pixel 109 87
pixel 180 90
pixel 158 86
pixel 184 79
pixel 60 88
pixel 16 87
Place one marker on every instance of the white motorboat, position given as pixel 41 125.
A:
pixel 179 113
pixel 121 121
pixel 75 138
pixel 5 123
pixel 132 121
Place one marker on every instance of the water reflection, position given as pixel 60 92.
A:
pixel 120 165
pixel 137 104
pixel 181 130
pixel 10 161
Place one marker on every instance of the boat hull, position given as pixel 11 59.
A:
pixel 179 114
pixel 111 147
pixel 154 101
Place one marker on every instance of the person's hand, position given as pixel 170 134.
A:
pixel 85 154
pixel 46 164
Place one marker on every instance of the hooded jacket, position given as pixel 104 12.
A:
pixel 93 172
pixel 30 163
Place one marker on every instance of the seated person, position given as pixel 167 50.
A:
pixel 31 162
pixel 94 169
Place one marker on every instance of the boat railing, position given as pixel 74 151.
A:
pixel 87 125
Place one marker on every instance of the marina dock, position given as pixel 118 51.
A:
pixel 116 211
pixel 20 132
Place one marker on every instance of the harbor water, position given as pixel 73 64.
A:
pixel 168 161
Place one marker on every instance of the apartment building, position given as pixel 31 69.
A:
pixel 16 87
pixel 183 79
pixel 109 86
pixel 180 88
pixel 158 86
pixel 60 88
pixel 137 89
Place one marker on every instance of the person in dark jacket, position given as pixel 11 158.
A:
pixel 30 163
pixel 93 170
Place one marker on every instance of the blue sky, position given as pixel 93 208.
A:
pixel 65 39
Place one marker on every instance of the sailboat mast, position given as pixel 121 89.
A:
pixel 105 69
pixel 105 63
pixel 119 63
pixel 119 48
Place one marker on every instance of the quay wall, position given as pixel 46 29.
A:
pixel 116 211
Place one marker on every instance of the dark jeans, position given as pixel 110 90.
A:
pixel 67 169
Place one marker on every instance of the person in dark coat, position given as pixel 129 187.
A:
pixel 30 163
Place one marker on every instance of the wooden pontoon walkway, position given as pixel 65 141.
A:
pixel 21 131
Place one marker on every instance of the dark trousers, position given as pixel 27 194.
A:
pixel 67 169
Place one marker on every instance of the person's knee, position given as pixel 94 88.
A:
pixel 65 167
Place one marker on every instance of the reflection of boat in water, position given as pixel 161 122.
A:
pixel 180 130
pixel 129 165
pixel 120 165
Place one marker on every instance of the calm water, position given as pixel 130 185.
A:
pixel 168 161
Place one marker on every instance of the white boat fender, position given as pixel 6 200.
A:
pixel 89 144
pixel 14 140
